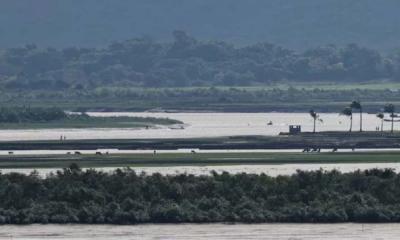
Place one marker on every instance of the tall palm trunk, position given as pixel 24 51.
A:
pixel 315 120
pixel 351 123
pixel 361 119
pixel 392 122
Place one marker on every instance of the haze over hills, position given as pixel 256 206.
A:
pixel 299 24
pixel 89 50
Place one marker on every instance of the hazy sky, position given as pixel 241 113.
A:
pixel 292 23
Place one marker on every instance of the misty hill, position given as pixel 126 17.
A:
pixel 296 24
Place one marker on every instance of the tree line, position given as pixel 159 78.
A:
pixel 30 114
pixel 356 105
pixel 186 62
pixel 234 99
pixel 126 197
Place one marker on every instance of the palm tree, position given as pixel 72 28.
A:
pixel 315 116
pixel 381 116
pixel 349 113
pixel 357 105
pixel 390 108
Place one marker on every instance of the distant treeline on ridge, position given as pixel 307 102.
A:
pixel 188 62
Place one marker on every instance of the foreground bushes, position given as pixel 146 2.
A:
pixel 124 197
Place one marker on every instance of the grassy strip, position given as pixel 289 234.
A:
pixel 285 97
pixel 184 159
pixel 319 140
pixel 94 122
pixel 372 85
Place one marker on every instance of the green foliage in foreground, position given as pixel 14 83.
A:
pixel 124 197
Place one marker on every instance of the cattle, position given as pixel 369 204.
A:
pixel 307 149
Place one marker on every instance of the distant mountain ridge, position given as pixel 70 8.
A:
pixel 299 24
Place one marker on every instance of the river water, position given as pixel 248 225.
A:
pixel 202 125
pixel 207 125
pixel 348 231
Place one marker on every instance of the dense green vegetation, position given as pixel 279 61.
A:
pixel 124 197
pixel 188 62
pixel 25 115
pixel 193 74
pixel 37 117
pixel 86 67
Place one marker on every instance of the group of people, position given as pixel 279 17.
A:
pixel 63 138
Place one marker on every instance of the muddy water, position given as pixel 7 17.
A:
pixel 203 231
pixel 201 125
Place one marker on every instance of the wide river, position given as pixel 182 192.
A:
pixel 202 125
pixel 208 125
pixel 203 231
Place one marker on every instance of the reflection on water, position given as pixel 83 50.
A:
pixel 201 125
pixel 203 231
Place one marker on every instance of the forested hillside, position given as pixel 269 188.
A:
pixel 297 24
pixel 187 61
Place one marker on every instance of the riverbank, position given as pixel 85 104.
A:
pixel 321 97
pixel 86 160
pixel 349 231
pixel 272 170
pixel 93 122
pixel 324 140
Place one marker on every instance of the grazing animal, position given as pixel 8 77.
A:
pixel 107 153
pixel 68 153
pixel 334 149
pixel 10 153
pixel 307 149
pixel 193 151
pixel 98 153
pixel 315 150
pixel 78 153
